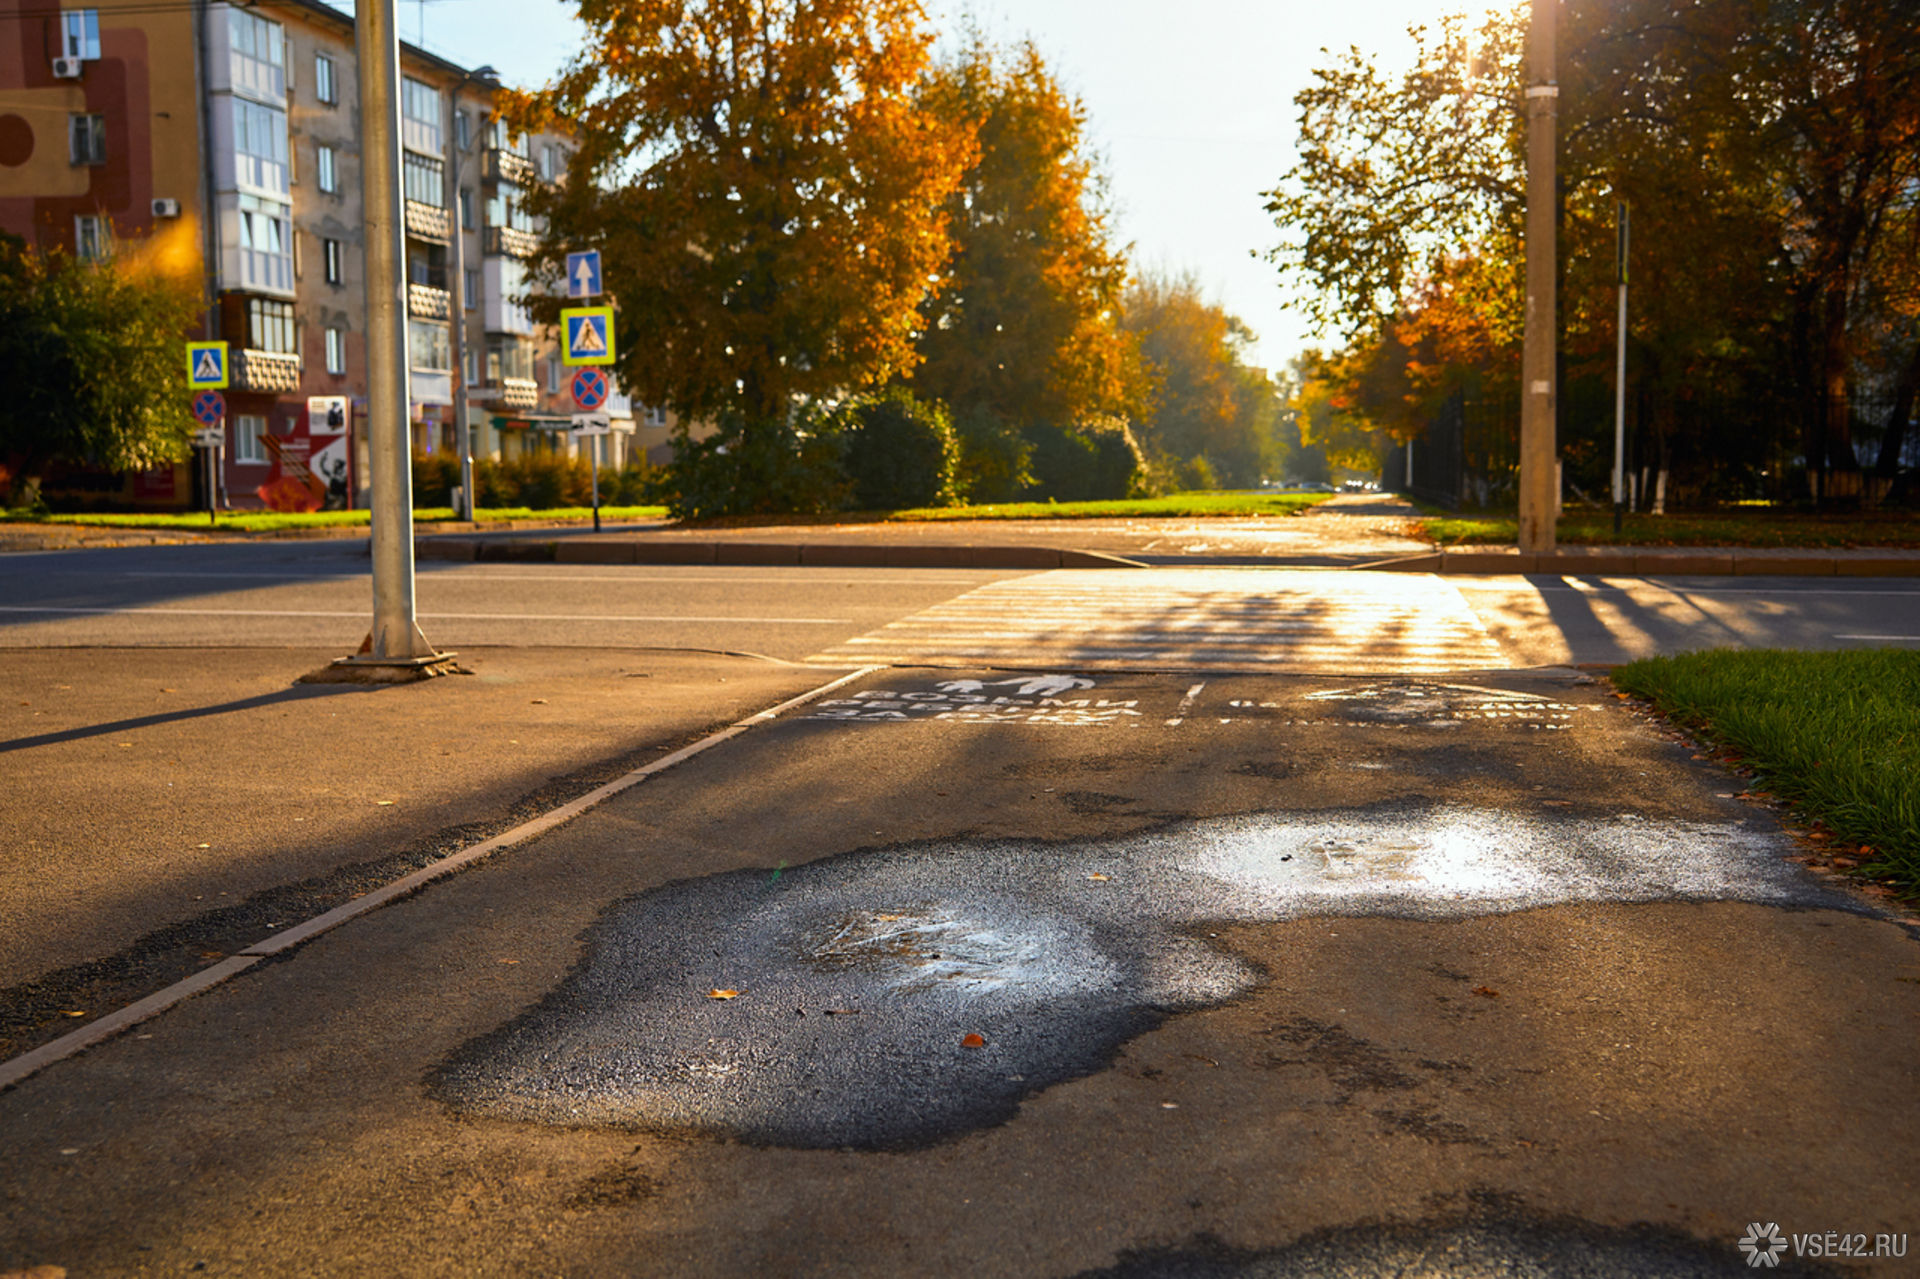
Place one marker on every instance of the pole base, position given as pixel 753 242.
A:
pixel 360 669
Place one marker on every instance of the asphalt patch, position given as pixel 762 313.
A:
pixel 894 997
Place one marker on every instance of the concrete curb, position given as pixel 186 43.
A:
pixel 1668 562
pixel 602 550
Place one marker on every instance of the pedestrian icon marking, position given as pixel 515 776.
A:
pixel 207 365
pixel 583 274
pixel 588 335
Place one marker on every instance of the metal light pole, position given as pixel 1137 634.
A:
pixel 1539 481
pixel 462 433
pixel 396 639
pixel 1620 375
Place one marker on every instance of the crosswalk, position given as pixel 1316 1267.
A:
pixel 1193 619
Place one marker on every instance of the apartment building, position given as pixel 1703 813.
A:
pixel 239 126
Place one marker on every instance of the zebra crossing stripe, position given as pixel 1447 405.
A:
pixel 1182 619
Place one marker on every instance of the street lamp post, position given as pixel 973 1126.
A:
pixel 462 432
pixel 1539 476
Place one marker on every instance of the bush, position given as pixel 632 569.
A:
pixel 1095 461
pixel 996 460
pixel 898 451
pixel 759 468
pixel 538 481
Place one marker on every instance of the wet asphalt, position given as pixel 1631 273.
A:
pixel 949 975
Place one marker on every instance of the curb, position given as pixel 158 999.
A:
pixel 587 550
pixel 1662 563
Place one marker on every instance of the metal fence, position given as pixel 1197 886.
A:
pixel 1469 455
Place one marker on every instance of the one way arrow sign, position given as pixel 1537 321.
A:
pixel 583 274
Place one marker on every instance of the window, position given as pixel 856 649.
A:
pixel 499 136
pixel 330 260
pixel 466 209
pixel 82 33
pixel 421 177
pixel 553 376
pixel 257 56
pixel 336 350
pixel 471 373
pixel 90 237
pixel 323 170
pixel 546 164
pixel 260 230
pixel 508 357
pixel 260 146
pixel 324 86
pixel 247 448
pixel 87 139
pixel 472 283
pixel 654 416
pixel 428 346
pixel 504 209
pixel 270 327
pixel 420 116
pixel 462 132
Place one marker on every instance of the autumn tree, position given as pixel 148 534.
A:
pixel 93 358
pixel 1212 416
pixel 1027 332
pixel 769 200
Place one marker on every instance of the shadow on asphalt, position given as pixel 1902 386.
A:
pixel 299 692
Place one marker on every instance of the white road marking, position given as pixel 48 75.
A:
pixel 1186 704
pixel 1185 619
pixel 425 616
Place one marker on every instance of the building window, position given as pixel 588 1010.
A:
pixel 247 448
pixel 87 139
pixel 428 346
pixel 654 416
pixel 472 283
pixel 336 350
pixel 553 377
pixel 330 260
pixel 508 357
pixel 260 146
pixel 462 130
pixel 323 171
pixel 324 85
pixel 466 209
pixel 270 327
pixel 504 209
pixel 420 116
pixel 90 243
pixel 82 33
pixel 471 358
pixel 257 56
pixel 421 176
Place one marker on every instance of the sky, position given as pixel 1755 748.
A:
pixel 1189 103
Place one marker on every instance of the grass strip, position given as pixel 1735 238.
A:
pixel 1760 529
pixel 1835 734
pixel 278 521
pixel 1175 506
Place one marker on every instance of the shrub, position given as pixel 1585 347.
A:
pixel 1095 461
pixel 996 460
pixel 898 451
pixel 538 481
pixel 756 468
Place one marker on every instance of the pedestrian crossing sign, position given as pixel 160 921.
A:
pixel 207 366
pixel 586 334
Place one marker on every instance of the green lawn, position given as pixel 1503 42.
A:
pixel 1836 734
pixel 1176 506
pixel 1759 528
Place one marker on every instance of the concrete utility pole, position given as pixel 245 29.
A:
pixel 1539 475
pixel 1620 371
pixel 462 433
pixel 396 640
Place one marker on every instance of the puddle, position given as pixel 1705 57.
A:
pixel 861 977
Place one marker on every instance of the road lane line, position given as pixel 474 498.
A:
pixel 100 1029
pixel 132 610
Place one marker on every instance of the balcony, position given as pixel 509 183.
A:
pixel 427 222
pixel 509 166
pixel 424 302
pixel 509 242
pixel 265 372
pixel 518 393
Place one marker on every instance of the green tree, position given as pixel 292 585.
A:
pixel 768 197
pixel 1026 330
pixel 1213 416
pixel 93 360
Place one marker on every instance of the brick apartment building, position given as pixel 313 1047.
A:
pixel 238 128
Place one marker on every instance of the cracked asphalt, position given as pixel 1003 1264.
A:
pixel 1269 975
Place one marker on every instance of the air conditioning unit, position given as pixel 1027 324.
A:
pixel 166 208
pixel 68 68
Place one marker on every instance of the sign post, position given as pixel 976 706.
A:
pixel 210 411
pixel 590 389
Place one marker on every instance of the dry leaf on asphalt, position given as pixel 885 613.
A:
pixel 723 994
pixel 1486 992
pixel 1097 875
pixel 972 1040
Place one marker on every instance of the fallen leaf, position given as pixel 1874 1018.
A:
pixel 1094 874
pixel 972 1040
pixel 539 701
pixel 723 994
pixel 509 961
pixel 384 803
pixel 1622 696
pixel 202 846
pixel 73 1012
pixel 1487 992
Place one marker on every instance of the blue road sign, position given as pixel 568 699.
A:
pixel 589 389
pixel 586 335
pixel 583 274
pixel 206 365
pixel 209 407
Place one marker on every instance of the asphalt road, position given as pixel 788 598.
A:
pixel 318 594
